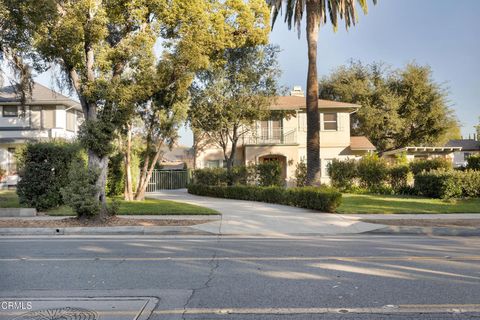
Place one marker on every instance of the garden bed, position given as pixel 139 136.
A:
pixel 109 222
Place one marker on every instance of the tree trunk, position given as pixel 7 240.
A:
pixel 313 117
pixel 147 175
pixel 128 194
pixel 101 165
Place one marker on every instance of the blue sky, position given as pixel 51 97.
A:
pixel 441 33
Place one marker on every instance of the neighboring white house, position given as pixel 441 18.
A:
pixel 422 153
pixel 284 140
pixel 468 147
pixel 46 115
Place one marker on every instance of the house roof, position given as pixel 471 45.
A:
pixel 423 150
pixel 465 144
pixel 296 102
pixel 40 95
pixel 361 143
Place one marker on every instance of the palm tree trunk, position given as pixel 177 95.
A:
pixel 313 117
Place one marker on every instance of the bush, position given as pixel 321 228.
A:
pixel 439 184
pixel 473 162
pixel 419 166
pixel 210 176
pixel 269 174
pixel 343 173
pixel 470 181
pixel 242 175
pixel 372 171
pixel 79 193
pixel 398 177
pixel 43 171
pixel 116 176
pixel 318 198
pixel 301 174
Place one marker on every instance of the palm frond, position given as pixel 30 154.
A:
pixel 334 10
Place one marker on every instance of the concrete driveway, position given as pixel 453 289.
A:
pixel 241 217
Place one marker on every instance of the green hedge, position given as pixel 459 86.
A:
pixel 343 173
pixel 418 166
pixel 372 172
pixel 324 199
pixel 448 184
pixel 398 177
pixel 43 169
pixel 473 162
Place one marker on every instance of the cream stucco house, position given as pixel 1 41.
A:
pixel 285 140
pixel 46 115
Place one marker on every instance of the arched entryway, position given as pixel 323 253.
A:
pixel 281 159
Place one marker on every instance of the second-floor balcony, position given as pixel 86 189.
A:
pixel 271 136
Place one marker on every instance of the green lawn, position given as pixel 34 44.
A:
pixel 9 199
pixel 366 203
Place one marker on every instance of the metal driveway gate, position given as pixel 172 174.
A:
pixel 168 179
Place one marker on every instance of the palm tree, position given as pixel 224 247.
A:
pixel 317 12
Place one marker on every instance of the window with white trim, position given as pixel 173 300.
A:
pixel 10 111
pixel 330 121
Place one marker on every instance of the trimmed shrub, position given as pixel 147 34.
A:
pixel 242 175
pixel 317 198
pixel 79 193
pixel 372 171
pixel 269 174
pixel 210 176
pixel 343 173
pixel 470 181
pixel 473 162
pixel 43 171
pixel 325 199
pixel 419 166
pixel 398 177
pixel 439 184
pixel 301 174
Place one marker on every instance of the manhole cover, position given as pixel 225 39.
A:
pixel 80 308
pixel 59 314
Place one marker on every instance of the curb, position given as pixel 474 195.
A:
pixel 428 231
pixel 132 230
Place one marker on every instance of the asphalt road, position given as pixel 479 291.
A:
pixel 354 277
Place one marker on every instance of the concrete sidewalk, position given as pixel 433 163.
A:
pixel 257 218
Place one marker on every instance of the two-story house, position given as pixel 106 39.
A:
pixel 284 140
pixel 46 115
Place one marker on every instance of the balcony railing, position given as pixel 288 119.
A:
pixel 271 136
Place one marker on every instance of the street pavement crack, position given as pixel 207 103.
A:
pixel 214 264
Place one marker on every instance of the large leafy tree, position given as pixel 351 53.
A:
pixel 232 94
pixel 400 108
pixel 105 50
pixel 318 12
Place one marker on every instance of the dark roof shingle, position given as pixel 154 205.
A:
pixel 40 95
pixel 465 144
